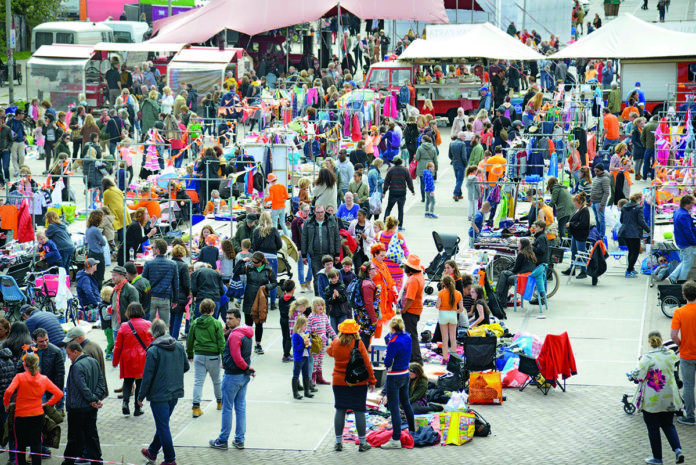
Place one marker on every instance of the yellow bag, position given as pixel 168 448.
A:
pixel 495 328
pixel 317 344
pixel 477 332
pixel 456 428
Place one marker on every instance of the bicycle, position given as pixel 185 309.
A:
pixel 40 296
pixel 506 261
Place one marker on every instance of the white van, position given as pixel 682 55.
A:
pixel 70 32
pixel 127 32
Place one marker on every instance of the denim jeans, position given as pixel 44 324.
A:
pixel 161 306
pixel 337 321
pixel 304 276
pixel 688 374
pixel 459 171
pixel 609 143
pixel 648 159
pixel 234 389
pixel 273 261
pixel 599 218
pixel 400 201
pixel 661 420
pixel 162 411
pixel 278 216
pixel 204 365
pixel 300 367
pixel 687 257
pixel 5 159
pixel 430 202
pixel 575 247
pixel 175 325
pixel 397 394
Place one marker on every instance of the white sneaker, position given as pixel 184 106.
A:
pixel 392 444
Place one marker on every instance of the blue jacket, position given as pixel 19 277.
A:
pixel 52 256
pixel 684 230
pixel 429 181
pixel 59 234
pixel 163 375
pixel 298 348
pixel 17 128
pixel 374 180
pixel 478 221
pixel 398 352
pixel 322 283
pixel 49 322
pixel 87 289
pixel 164 278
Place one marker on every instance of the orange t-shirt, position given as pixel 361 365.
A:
pixel 444 296
pixel 277 194
pixel 8 218
pixel 627 111
pixel 495 172
pixel 30 390
pixel 413 290
pixel 152 206
pixel 611 124
pixel 684 319
pixel 211 206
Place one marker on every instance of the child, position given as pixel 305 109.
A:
pixel 473 189
pixel 299 307
pixel 429 183
pixel 449 305
pixel 319 324
pixel 107 227
pixel 304 190
pixel 214 199
pixel 487 136
pixel 204 345
pixel 105 317
pixel 277 195
pixel 210 253
pixel 322 279
pixel 346 272
pixel 245 253
pixel 284 304
pixel 479 313
pixel 227 260
pixel 336 299
pixel 48 250
pixel 300 354
pixel 40 140
pixel 122 176
pixel 477 224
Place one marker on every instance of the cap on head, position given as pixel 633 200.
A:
pixel 73 333
pixel 92 261
pixel 119 270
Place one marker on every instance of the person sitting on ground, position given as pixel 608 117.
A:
pixel 525 262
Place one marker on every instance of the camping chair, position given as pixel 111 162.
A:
pixel 13 297
pixel 581 259
pixel 539 276
pixel 480 353
pixel 558 364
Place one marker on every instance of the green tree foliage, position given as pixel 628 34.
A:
pixel 35 12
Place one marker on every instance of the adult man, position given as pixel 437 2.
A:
pixel 85 390
pixel 476 151
pixel 345 167
pixel 499 123
pixel 319 237
pixel 113 82
pixel 163 276
pixel 163 386
pixel 6 142
pixel 124 294
pixel 610 132
pixel 236 359
pixel 142 285
pixel 206 283
pixel 647 138
pixel 87 287
pixel 486 99
pixel 245 230
pixel 607 75
pixel 413 302
pixel 685 237
pixel 683 333
pixel 396 182
pixel 90 348
pixel 35 318
pixel 457 156
pixel 614 99
pixel 19 139
pixel 51 362
pixel 599 195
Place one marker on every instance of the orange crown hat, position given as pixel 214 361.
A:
pixel 211 240
pixel 349 327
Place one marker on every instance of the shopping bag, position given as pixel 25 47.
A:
pixel 375 203
pixel 457 403
pixel 485 388
pixel 395 252
pixel 317 344
pixel 456 428
pixel 107 255
pixel 413 169
pixel 69 211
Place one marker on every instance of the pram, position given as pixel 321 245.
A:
pixel 447 246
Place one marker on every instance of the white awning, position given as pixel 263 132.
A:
pixel 146 46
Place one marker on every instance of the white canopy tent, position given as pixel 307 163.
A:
pixel 630 37
pixel 468 41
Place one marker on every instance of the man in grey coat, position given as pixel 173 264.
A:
pixel 599 195
pixel 457 156
pixel 320 237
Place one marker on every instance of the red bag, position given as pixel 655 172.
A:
pixel 413 168
pixel 379 438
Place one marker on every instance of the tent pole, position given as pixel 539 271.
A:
pixel 288 42
pixel 456 13
pixel 339 35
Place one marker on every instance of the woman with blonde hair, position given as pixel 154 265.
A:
pixel 266 239
pixel 167 101
pixel 481 118
pixel 88 128
pixel 150 111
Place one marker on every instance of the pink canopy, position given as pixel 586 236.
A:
pixel 202 23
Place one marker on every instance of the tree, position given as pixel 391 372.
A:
pixel 35 12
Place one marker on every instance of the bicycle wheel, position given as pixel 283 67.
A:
pixel 668 305
pixel 499 264
pixel 552 283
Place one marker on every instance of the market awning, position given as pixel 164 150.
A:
pixel 82 52
pixel 146 46
pixel 630 37
pixel 202 23
pixel 207 55
pixel 464 41
pixel 462 5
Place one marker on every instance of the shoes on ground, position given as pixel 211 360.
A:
pixel 217 444
pixel 238 445
pixel 197 412
pixel 392 444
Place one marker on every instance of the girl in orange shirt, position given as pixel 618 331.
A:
pixel 29 413
pixel 385 282
pixel 450 304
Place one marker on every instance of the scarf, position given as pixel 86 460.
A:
pixel 117 291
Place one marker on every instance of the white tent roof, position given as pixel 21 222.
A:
pixel 630 37
pixel 471 41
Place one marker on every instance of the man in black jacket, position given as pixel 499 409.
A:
pixel 5 147
pixel 457 156
pixel 541 243
pixel 86 388
pixel 206 283
pixel 396 182
pixel 163 276
pixel 141 284
pixel 320 237
pixel 51 361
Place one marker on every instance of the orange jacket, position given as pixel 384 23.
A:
pixel 341 356
pixel 211 206
pixel 30 390
pixel 152 207
pixel 277 195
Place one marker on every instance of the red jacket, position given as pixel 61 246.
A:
pixel 556 358
pixel 24 223
pixel 128 352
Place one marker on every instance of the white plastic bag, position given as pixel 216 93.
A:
pixel 459 402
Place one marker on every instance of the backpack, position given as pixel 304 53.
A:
pixel 354 293
pixel 481 427
pixel 356 370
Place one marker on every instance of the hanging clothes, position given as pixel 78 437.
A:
pixel 346 125
pixel 356 132
pixel 25 225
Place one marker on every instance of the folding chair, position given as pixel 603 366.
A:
pixel 480 353
pixel 581 259
pixel 539 276
pixel 558 364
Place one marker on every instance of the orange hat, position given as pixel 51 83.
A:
pixel 211 240
pixel 413 261
pixel 348 327
pixel 272 178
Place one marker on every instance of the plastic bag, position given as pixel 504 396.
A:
pixel 457 403
pixel 456 428
pixel 375 203
pixel 485 388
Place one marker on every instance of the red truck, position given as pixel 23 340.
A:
pixel 661 80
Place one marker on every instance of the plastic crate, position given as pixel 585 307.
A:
pixel 51 284
pixel 557 255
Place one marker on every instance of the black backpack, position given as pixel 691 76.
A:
pixel 356 371
pixel 354 293
pixel 481 427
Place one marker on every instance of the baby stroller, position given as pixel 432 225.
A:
pixel 447 246
pixel 288 251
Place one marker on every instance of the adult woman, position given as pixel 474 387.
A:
pixel 425 154
pixel 562 201
pixel 362 231
pixel 383 279
pixel 113 198
pixel 631 231
pixel 619 166
pixel 657 396
pixel 130 353
pixel 374 177
pixel 638 147
pixel 259 274
pixel 88 128
pixel 4 330
pixel 266 239
pixel 325 191
pixel 392 236
pixel 396 362
pixel 75 125
pixel 167 102
pixel 411 134
pixel 179 252
pixel 450 306
pixel 135 236
pixel 150 110
pixel 58 233
pixel 481 118
pixel 18 338
pixel 459 123
pixel 208 168
pixel 353 396
pixel 585 185
pixel 579 229
pixel 368 315
pixel 96 243
pixel 451 269
pixel 29 413
pixel 525 262
pixel 305 277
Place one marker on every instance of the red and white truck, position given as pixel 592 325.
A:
pixel 662 80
